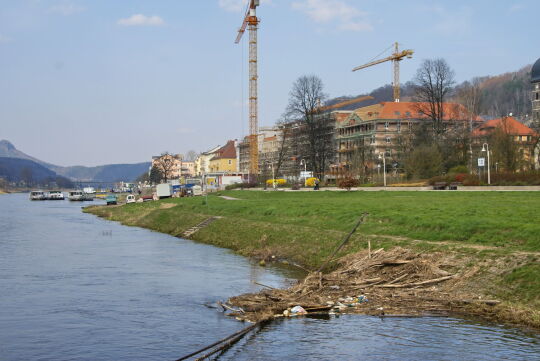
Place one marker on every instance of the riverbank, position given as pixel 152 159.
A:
pixel 488 240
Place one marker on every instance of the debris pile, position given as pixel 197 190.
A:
pixel 395 282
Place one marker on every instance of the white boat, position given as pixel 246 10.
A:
pixel 76 196
pixel 80 196
pixel 37 196
pixel 55 196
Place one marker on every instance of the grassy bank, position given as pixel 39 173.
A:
pixel 493 237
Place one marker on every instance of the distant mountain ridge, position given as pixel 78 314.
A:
pixel 103 173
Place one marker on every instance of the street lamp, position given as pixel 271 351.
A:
pixel 303 161
pixel 273 175
pixel 485 148
pixel 382 155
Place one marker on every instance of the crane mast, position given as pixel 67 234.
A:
pixel 251 22
pixel 395 58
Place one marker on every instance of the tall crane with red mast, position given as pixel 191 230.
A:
pixel 251 22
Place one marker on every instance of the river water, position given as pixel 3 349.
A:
pixel 76 287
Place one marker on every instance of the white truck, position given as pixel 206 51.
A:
pixel 164 190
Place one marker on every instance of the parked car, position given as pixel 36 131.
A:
pixel 130 198
pixel 111 199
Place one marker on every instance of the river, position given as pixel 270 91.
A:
pixel 76 287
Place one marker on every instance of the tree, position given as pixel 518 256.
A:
pixel 424 162
pixel 434 80
pixel 155 175
pixel 166 163
pixel 191 155
pixel 504 149
pixel 27 176
pixel 469 94
pixel 305 102
pixel 145 177
pixel 285 132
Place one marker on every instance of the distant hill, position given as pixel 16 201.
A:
pixel 30 172
pixel 103 173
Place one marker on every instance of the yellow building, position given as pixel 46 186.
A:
pixel 224 160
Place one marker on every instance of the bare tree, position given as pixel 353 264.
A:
pixel 434 80
pixel 191 155
pixel 285 131
pixel 305 103
pixel 469 94
pixel 166 163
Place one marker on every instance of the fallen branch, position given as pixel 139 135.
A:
pixel 230 337
pixel 415 284
pixel 263 285
pixel 360 221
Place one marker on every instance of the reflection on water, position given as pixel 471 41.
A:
pixel 76 287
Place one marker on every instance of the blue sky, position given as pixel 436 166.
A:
pixel 99 81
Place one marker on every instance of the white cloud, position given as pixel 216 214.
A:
pixel 66 9
pixel 343 15
pixel 5 39
pixel 516 7
pixel 141 20
pixel 236 6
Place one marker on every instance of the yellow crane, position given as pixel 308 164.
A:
pixel 396 57
pixel 251 21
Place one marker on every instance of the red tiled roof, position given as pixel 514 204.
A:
pixel 227 151
pixel 416 110
pixel 510 124
pixel 269 139
pixel 404 110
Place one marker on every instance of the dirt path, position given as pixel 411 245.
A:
pixel 230 198
pixel 453 244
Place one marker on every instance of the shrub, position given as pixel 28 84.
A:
pixel 460 177
pixel 279 182
pixel 310 182
pixel 459 169
pixel 347 183
pixel 233 186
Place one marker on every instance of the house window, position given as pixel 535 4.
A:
pixel 230 161
pixel 408 114
pixel 396 113
pixel 387 153
pixel 398 126
pixel 537 96
pixel 386 124
pixel 388 140
pixel 372 140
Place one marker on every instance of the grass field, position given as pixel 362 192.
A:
pixel 498 233
pixel 502 219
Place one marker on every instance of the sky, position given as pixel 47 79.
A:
pixel 90 82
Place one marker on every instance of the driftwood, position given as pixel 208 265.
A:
pixel 345 240
pixel 263 285
pixel 423 283
pixel 234 336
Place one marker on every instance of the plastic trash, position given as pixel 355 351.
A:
pixel 298 310
pixel 362 299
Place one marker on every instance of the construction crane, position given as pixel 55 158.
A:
pixel 396 57
pixel 251 22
